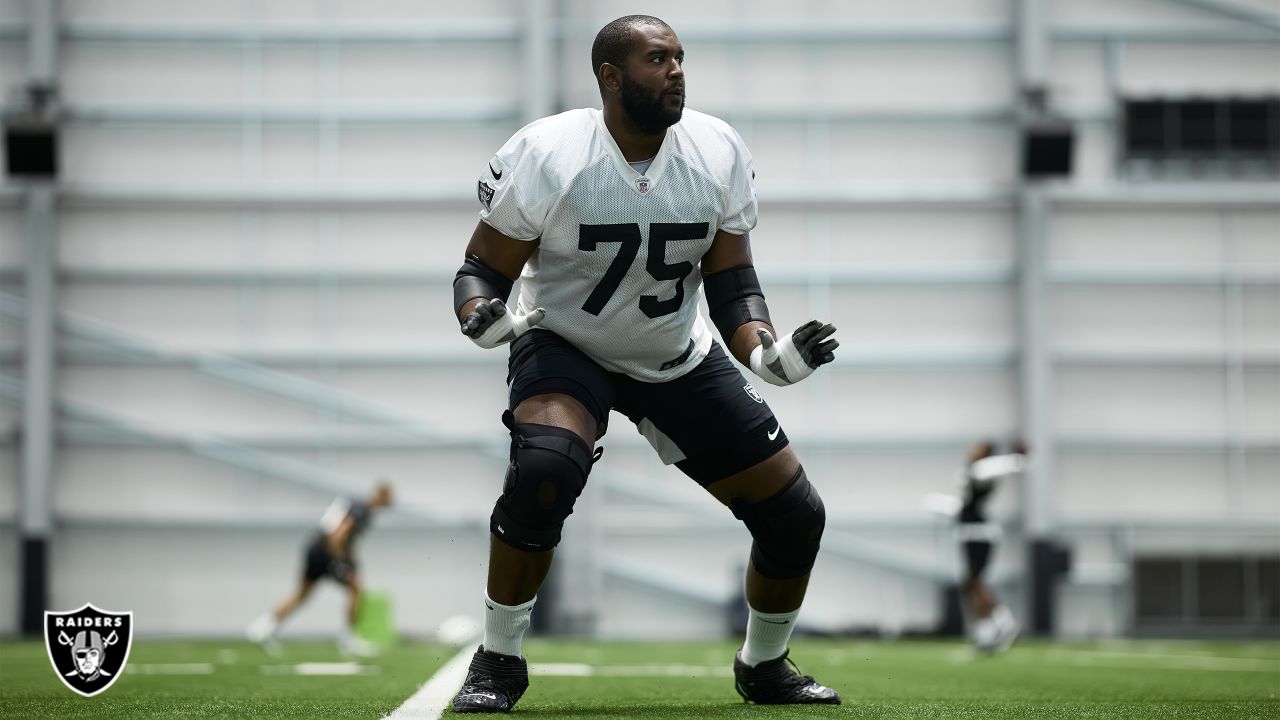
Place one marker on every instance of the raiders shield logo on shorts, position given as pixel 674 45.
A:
pixel 88 647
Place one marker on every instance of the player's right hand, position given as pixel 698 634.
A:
pixel 491 324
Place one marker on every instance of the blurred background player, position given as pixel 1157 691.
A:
pixel 992 626
pixel 329 553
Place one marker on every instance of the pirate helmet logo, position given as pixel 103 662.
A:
pixel 88 647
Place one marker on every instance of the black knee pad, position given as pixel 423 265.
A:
pixel 787 529
pixel 549 468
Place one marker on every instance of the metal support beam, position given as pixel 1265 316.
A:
pixel 1034 381
pixel 1032 44
pixel 42 42
pixel 36 516
pixel 539 74
pixel 1235 11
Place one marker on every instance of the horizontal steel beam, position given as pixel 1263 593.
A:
pixel 936 275
pixel 1168 441
pixel 497 443
pixel 939 359
pixel 466 110
pixel 1081 274
pixel 1171 358
pixel 921 194
pixel 434 30
pixel 1237 11
pixel 509 30
pixel 851 442
pixel 1250 194
pixel 941 275
pixel 455 110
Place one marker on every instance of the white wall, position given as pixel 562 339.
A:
pixel 354 294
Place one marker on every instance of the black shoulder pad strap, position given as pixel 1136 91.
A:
pixel 475 279
pixel 734 297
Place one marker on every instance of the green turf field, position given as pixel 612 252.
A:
pixel 211 679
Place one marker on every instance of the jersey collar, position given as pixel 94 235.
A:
pixel 640 184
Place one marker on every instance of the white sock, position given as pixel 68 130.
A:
pixel 264 627
pixel 505 625
pixel 767 635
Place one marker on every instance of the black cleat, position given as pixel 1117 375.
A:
pixel 494 683
pixel 776 682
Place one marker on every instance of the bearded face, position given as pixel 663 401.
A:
pixel 651 112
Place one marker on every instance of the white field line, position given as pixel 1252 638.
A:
pixel 321 669
pixel 435 694
pixel 1170 662
pixel 170 668
pixel 583 670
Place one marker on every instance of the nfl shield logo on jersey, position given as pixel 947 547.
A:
pixel 642 184
pixel 88 647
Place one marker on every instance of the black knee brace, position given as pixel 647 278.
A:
pixel 549 468
pixel 787 529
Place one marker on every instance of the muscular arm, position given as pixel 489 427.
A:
pixel 738 308
pixel 503 254
pixel 733 251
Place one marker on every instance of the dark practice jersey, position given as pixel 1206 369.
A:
pixel 342 508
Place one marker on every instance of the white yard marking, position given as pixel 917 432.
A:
pixel 582 670
pixel 321 669
pixel 1165 662
pixel 435 694
pixel 171 668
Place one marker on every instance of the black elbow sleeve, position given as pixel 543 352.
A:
pixel 734 297
pixel 475 279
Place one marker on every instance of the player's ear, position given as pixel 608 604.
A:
pixel 610 77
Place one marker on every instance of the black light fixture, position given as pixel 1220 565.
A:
pixel 1048 138
pixel 31 136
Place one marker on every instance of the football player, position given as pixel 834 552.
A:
pixel 993 627
pixel 329 553
pixel 612 219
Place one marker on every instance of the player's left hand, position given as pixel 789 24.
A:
pixel 795 356
pixel 491 324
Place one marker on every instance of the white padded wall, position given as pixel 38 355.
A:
pixel 303 204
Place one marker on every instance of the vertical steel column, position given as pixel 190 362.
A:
pixel 1035 367
pixel 535 52
pixel 1044 561
pixel 36 519
pixel 1032 44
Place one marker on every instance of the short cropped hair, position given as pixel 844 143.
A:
pixel 613 42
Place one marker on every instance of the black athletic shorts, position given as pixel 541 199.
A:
pixel 710 422
pixel 320 563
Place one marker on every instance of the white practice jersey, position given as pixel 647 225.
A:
pixel 616 267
